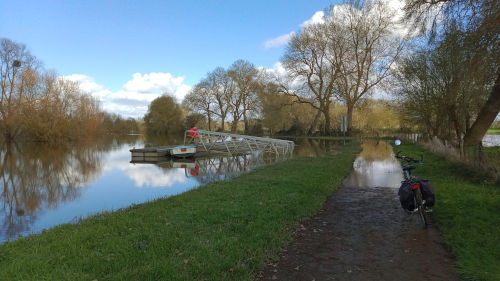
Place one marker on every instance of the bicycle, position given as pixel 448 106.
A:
pixel 419 204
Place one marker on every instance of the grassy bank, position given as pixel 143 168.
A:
pixel 467 213
pixel 493 157
pixel 222 231
pixel 494 131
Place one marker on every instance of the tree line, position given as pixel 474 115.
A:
pixel 449 85
pixel 39 105
pixel 338 62
pixel 446 82
pixel 446 79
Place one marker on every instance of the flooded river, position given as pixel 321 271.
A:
pixel 42 185
pixel 491 140
pixel 375 166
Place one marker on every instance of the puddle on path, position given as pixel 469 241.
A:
pixel 375 166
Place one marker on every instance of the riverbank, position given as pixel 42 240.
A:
pixel 466 213
pixel 222 231
pixel 493 131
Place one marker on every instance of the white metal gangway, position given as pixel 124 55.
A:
pixel 237 144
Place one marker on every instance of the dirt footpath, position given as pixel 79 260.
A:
pixel 363 234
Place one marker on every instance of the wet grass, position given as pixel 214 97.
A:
pixel 493 157
pixel 466 212
pixel 221 231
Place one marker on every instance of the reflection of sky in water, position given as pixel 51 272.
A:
pixel 119 185
pixel 144 176
pixel 92 181
pixel 67 183
pixel 375 173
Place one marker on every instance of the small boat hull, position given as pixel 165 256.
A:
pixel 182 151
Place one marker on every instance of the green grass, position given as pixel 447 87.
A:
pixel 494 131
pixel 222 231
pixel 467 213
pixel 493 157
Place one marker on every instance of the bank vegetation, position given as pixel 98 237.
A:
pixel 40 105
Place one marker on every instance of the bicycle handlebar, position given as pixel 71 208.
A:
pixel 409 159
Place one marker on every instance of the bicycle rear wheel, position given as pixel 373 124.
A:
pixel 421 208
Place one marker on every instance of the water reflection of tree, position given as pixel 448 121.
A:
pixel 375 166
pixel 375 150
pixel 35 176
pixel 314 147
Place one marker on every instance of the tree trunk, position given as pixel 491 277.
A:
pixel 245 121
pixel 209 122
pixel 223 121
pixel 326 113
pixel 486 116
pixel 314 123
pixel 456 124
pixel 350 109
pixel 234 125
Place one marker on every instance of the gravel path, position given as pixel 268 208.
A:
pixel 363 234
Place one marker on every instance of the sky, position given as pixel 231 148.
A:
pixel 126 53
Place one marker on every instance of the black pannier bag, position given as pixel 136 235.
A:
pixel 427 192
pixel 406 195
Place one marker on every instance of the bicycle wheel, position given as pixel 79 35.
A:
pixel 421 208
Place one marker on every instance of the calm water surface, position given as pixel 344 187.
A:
pixel 42 185
pixel 375 166
pixel 491 140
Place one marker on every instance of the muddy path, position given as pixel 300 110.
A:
pixel 363 234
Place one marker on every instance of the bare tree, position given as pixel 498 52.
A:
pixel 280 114
pixel 16 65
pixel 41 105
pixel 370 48
pixel 478 20
pixel 244 98
pixel 221 88
pixel 313 69
pixel 201 99
pixel 344 57
pixel 439 93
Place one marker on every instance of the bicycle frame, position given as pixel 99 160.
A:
pixel 418 201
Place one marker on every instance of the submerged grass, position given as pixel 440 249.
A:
pixel 467 213
pixel 222 231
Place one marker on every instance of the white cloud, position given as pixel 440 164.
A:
pixel 318 17
pixel 88 85
pixel 280 75
pixel 136 95
pixel 401 28
pixel 154 82
pixel 144 175
pixel 278 71
pixel 278 41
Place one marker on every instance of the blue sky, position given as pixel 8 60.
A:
pixel 121 49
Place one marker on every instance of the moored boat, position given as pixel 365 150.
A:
pixel 182 151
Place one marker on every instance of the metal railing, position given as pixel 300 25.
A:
pixel 237 144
